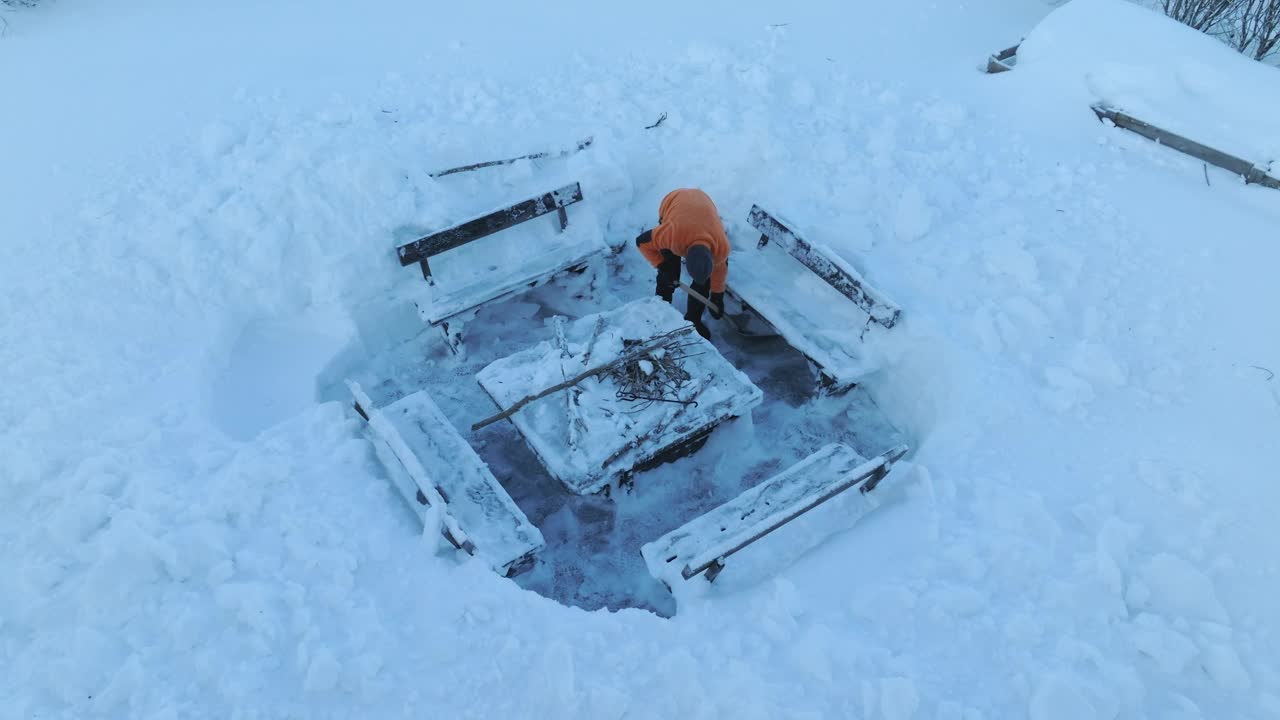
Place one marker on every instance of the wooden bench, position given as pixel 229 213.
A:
pixel 1251 173
pixel 433 466
pixel 1003 61
pixel 819 304
pixel 532 265
pixel 703 544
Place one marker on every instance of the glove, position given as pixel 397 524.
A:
pixel 717 305
pixel 666 286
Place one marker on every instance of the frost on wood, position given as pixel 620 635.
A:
pixel 620 433
pixel 703 543
pixel 437 470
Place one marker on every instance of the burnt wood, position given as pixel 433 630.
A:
pixel 421 249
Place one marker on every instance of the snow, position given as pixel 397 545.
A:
pixel 192 194
pixel 1117 54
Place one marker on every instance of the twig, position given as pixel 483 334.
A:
pixel 661 117
pixel 1206 174
pixel 582 145
pixel 590 372
pixel 1268 372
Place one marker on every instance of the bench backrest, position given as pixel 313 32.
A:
pixel 421 250
pixel 833 271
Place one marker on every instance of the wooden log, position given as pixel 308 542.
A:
pixel 589 373
pixel 833 272
pixel 488 224
pixel 1250 172
pixel 582 145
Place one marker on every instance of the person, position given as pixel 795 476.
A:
pixel 689 228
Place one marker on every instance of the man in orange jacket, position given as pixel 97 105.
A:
pixel 689 227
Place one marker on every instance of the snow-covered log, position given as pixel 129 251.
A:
pixel 434 468
pixel 703 544
pixel 619 437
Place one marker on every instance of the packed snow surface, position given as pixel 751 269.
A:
pixel 199 206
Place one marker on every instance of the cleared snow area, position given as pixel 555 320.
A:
pixel 198 211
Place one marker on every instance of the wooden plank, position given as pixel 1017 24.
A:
pixel 582 145
pixel 1250 172
pixel 488 224
pixel 832 270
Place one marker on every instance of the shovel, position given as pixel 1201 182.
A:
pixel 740 322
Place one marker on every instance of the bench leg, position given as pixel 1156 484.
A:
pixel 714 570
pixel 452 331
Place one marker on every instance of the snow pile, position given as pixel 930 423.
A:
pixel 1138 61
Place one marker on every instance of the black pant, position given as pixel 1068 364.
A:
pixel 669 275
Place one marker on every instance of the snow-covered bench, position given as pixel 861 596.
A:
pixel 435 468
pixel 1251 172
pixel 495 272
pixel 1004 60
pixel 703 544
pixel 819 304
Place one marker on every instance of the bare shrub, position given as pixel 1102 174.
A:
pixel 1255 29
pixel 1203 15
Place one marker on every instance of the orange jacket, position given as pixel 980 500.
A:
pixel 687 217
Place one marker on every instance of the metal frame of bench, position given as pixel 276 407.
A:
pixel 420 251
pixel 1251 173
pixel 424 492
pixel 711 560
pixel 832 271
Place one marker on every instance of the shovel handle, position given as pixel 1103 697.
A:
pixel 700 297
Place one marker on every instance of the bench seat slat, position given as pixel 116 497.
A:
pixel 723 531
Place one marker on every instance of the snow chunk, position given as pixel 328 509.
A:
pixel 1178 588
pixel 1223 665
pixel 323 672
pixel 1171 650
pixel 913 218
pixel 899 699
pixel 1058 698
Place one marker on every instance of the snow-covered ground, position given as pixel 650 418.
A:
pixel 197 213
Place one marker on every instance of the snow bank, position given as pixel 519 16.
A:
pixel 1140 62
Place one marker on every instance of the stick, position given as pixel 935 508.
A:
pixel 700 297
pixel 582 145
pixel 627 357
